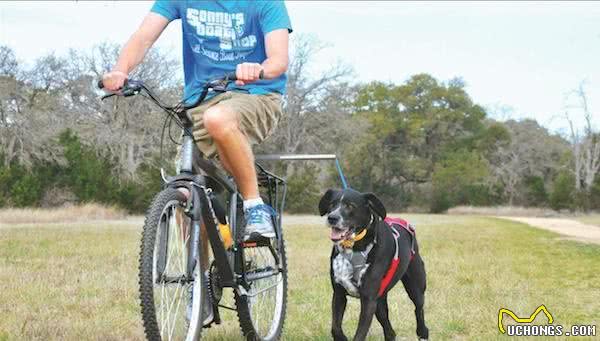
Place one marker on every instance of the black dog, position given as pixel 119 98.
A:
pixel 363 261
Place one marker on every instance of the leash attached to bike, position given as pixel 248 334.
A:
pixel 307 157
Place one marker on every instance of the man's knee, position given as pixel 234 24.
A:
pixel 219 121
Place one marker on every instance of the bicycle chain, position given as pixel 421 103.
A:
pixel 215 289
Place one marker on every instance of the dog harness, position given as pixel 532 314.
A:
pixel 396 224
pixel 350 266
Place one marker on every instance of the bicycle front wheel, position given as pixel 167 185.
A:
pixel 171 285
pixel 261 310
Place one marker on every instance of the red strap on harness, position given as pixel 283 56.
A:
pixel 387 279
pixel 388 276
pixel 400 222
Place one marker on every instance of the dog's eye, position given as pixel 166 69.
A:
pixel 349 205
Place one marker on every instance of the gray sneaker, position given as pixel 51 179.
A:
pixel 259 222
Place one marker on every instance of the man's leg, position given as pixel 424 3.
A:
pixel 222 135
pixel 234 148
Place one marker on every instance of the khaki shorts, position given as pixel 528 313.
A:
pixel 258 116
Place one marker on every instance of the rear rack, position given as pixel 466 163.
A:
pixel 275 187
pixel 304 157
pixel 274 190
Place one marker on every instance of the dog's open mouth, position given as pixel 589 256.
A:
pixel 339 234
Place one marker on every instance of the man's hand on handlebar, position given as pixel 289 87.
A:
pixel 116 83
pixel 248 73
pixel 114 80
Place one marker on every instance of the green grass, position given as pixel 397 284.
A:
pixel 79 282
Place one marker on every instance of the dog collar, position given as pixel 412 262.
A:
pixel 349 243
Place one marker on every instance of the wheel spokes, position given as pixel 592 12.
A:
pixel 171 289
pixel 265 293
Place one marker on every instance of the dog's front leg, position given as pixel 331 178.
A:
pixel 338 307
pixel 368 306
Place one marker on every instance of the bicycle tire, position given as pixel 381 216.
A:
pixel 147 266
pixel 243 306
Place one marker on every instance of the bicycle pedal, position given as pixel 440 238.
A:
pixel 256 239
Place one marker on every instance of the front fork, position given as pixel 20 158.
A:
pixel 199 209
pixel 193 254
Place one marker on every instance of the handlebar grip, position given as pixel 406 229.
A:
pixel 101 84
pixel 231 76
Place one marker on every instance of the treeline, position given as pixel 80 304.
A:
pixel 422 144
pixel 429 145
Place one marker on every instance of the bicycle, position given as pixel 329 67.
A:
pixel 171 265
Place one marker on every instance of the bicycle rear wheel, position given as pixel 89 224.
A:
pixel 170 298
pixel 261 311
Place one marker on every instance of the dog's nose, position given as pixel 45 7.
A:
pixel 333 219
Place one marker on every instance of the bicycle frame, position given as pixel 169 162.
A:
pixel 203 207
pixel 209 191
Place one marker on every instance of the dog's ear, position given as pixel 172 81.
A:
pixel 326 201
pixel 376 205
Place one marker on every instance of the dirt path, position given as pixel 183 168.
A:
pixel 573 229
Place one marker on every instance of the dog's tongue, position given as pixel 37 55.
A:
pixel 336 234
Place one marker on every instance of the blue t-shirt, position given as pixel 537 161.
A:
pixel 218 35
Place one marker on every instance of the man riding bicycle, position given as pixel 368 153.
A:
pixel 219 37
pixel 248 37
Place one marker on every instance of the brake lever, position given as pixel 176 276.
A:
pixel 220 85
pixel 130 92
pixel 126 91
pixel 107 96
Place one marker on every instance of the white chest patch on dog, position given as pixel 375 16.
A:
pixel 349 268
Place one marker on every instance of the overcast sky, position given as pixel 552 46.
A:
pixel 522 55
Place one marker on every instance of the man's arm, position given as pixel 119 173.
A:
pixel 276 48
pixel 134 50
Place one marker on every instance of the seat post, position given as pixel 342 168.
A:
pixel 187 154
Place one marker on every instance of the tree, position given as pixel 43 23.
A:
pixel 585 145
pixel 413 126
pixel 563 191
pixel 30 107
pixel 530 151
pixel 312 104
pixel 128 129
pixel 460 179
pixel 9 67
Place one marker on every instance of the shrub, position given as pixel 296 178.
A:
pixel 26 191
pixel 88 174
pixel 303 191
pixel 535 192
pixel 459 180
pixel 135 196
pixel 21 187
pixel 563 191
pixel 595 194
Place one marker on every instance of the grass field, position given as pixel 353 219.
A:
pixel 79 281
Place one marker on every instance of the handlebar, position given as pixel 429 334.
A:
pixel 229 77
pixel 177 113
